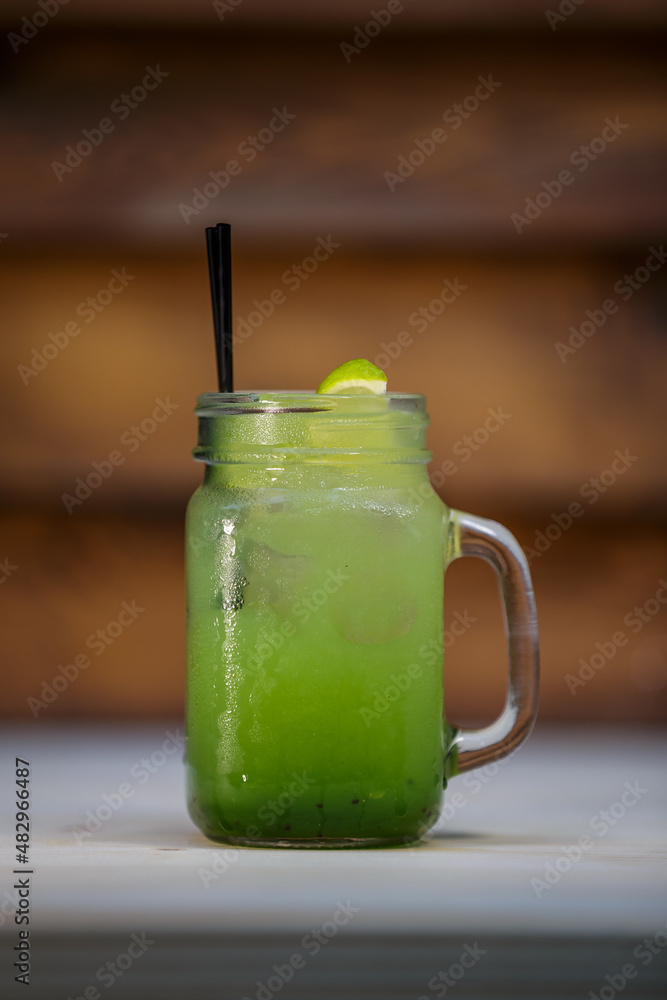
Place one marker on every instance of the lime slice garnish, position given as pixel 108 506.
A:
pixel 355 378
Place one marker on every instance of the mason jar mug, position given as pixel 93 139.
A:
pixel 316 552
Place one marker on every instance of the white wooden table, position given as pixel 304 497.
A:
pixel 457 916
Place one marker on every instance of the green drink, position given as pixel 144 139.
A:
pixel 316 550
pixel 315 693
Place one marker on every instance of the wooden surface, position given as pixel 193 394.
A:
pixel 492 347
pixel 495 347
pixel 615 14
pixel 73 576
pixel 325 171
pixel 470 882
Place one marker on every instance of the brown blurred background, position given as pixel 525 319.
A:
pixel 223 69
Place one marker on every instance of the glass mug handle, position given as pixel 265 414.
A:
pixel 488 540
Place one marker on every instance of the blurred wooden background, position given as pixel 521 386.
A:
pixel 66 575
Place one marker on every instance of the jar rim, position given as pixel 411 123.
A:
pixel 299 401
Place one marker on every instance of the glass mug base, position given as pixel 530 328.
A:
pixel 295 818
pixel 318 843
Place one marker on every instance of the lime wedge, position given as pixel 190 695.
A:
pixel 356 377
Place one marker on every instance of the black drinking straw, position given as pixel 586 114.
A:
pixel 219 246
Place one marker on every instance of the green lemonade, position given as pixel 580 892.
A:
pixel 315 562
